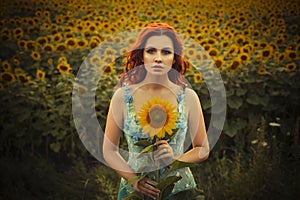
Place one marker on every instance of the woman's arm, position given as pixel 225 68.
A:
pixel 197 130
pixel 113 131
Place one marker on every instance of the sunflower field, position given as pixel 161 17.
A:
pixel 255 46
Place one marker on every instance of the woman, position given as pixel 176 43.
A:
pixel 154 68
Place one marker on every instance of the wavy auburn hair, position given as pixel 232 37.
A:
pixel 135 71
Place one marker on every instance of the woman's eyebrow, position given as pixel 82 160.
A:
pixel 165 48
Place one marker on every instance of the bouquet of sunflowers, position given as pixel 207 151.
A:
pixel 158 119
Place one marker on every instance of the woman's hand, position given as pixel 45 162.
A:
pixel 164 152
pixel 143 187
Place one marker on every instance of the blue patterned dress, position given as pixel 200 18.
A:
pixel 133 133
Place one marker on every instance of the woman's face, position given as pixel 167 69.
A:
pixel 158 55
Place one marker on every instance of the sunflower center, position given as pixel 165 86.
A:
pixel 157 116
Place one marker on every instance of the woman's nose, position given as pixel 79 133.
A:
pixel 158 57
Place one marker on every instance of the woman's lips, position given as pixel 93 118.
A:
pixel 157 67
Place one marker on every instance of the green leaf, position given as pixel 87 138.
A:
pixel 135 179
pixel 133 195
pixel 146 150
pixel 167 190
pixel 179 164
pixel 253 99
pixel 235 102
pixel 240 91
pixel 168 181
pixel 143 143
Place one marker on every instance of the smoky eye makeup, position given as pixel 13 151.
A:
pixel 164 51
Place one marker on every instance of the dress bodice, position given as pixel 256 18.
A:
pixel 133 133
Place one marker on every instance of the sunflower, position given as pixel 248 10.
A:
pixel 106 68
pixel 35 55
pixel 213 52
pixel 290 67
pixel 62 59
pixel 157 117
pixel 23 79
pixel 6 66
pixel 42 40
pixel 71 42
pixel 93 44
pixel 261 71
pixel 219 62
pixel 266 53
pixel 22 44
pixel 57 38
pixel 40 74
pixel 63 68
pixel 48 47
pixel 198 78
pixel 279 57
pixel 81 43
pixel 8 77
pixel 18 33
pixel 31 45
pixel 234 65
pixel 290 54
pixel 244 57
pixel 61 48
pixel 95 60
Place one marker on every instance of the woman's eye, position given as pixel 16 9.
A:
pixel 166 52
pixel 151 51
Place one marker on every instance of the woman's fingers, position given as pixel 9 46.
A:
pixel 147 189
pixel 163 151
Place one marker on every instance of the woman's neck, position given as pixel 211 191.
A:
pixel 156 82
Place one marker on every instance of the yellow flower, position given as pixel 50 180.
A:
pixel 6 66
pixel 262 71
pixel 40 75
pixel 63 68
pixel 219 62
pixel 71 42
pixel 16 60
pixel 50 61
pixel 234 65
pixel 290 67
pixel 57 38
pixel 35 55
pixel 60 48
pixel 23 79
pixel 213 52
pixel 48 47
pixel 157 117
pixel 244 57
pixel 62 59
pixel 95 60
pixel 198 78
pixel 8 77
pixel 291 55
pixel 82 43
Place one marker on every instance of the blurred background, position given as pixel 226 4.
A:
pixel 255 46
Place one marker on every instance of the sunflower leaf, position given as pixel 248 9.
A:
pixel 147 149
pixel 168 181
pixel 179 164
pixel 143 143
pixel 135 179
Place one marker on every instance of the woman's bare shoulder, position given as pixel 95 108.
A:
pixel 118 94
pixel 190 94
